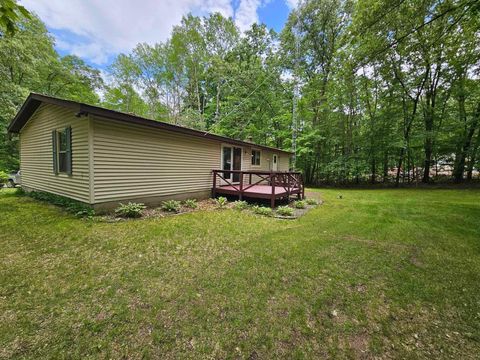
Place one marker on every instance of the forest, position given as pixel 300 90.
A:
pixel 366 91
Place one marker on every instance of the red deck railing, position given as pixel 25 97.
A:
pixel 281 184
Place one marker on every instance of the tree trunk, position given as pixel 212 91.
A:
pixel 464 151
pixel 373 171
pixel 428 144
pixel 399 166
pixel 385 167
pixel 473 158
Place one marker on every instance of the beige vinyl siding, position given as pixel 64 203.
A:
pixel 36 160
pixel 283 162
pixel 266 160
pixel 137 161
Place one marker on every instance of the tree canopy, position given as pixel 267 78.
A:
pixel 366 90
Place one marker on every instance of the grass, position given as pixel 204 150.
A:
pixel 378 273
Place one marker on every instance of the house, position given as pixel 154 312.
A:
pixel 102 157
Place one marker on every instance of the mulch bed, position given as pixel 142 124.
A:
pixel 300 212
pixel 208 205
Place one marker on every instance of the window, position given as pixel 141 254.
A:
pixel 256 157
pixel 62 151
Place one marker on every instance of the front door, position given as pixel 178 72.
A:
pixel 275 162
pixel 231 160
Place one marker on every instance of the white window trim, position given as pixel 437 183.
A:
pixel 259 165
pixel 221 158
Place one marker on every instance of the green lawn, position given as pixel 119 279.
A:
pixel 378 273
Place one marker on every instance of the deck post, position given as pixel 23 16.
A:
pixel 303 186
pixel 272 197
pixel 250 179
pixel 265 187
pixel 214 187
pixel 299 186
pixel 240 195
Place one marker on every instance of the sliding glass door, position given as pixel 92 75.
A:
pixel 231 160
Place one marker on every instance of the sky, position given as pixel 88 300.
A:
pixel 98 30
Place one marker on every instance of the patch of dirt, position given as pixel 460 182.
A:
pixel 136 304
pixel 415 257
pixel 360 288
pixel 359 345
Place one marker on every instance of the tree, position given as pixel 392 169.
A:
pixel 10 15
pixel 29 63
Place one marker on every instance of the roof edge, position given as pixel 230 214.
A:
pixel 34 100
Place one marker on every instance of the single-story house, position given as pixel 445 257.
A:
pixel 102 157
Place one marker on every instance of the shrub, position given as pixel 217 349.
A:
pixel 262 210
pixel 72 206
pixel 130 210
pixel 3 177
pixel 311 202
pixel 300 204
pixel 240 205
pixel 85 213
pixel 285 211
pixel 171 206
pixel 221 201
pixel 191 203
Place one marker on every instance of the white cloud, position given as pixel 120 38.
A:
pixel 246 13
pixel 97 29
pixel 292 4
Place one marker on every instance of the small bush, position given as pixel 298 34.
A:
pixel 285 211
pixel 85 213
pixel 130 210
pixel 311 202
pixel 72 206
pixel 300 204
pixel 3 177
pixel 262 210
pixel 20 192
pixel 171 206
pixel 221 202
pixel 191 203
pixel 240 205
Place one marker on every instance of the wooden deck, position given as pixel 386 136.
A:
pixel 258 184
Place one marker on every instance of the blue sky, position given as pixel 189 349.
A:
pixel 98 30
pixel 274 14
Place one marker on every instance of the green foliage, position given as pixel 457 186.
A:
pixel 300 204
pixel 191 203
pixel 311 201
pixel 171 206
pixel 3 177
pixel 130 210
pixel 10 15
pixel 262 210
pixel 85 213
pixel 240 205
pixel 221 202
pixel 29 62
pixel 74 207
pixel 382 92
pixel 284 211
